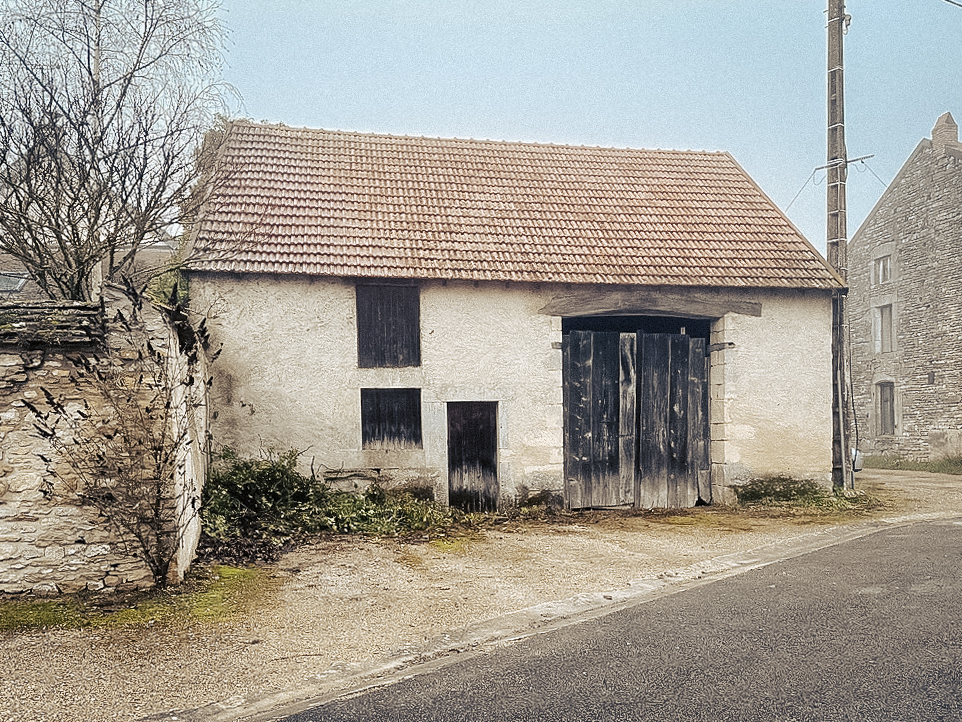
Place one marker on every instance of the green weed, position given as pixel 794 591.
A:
pixel 453 545
pixel 952 465
pixel 801 496
pixel 779 490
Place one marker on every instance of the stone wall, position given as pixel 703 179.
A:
pixel 50 541
pixel 917 225
pixel 289 376
pixel 771 392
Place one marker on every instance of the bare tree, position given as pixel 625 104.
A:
pixel 103 105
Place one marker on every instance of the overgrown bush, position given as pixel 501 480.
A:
pixel 255 507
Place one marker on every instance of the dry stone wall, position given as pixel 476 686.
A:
pixel 50 542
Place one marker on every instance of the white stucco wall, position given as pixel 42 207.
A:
pixel 288 377
pixel 288 374
pixel 771 407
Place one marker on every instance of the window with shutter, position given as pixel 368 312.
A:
pixel 886 408
pixel 886 339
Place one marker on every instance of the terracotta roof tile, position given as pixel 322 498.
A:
pixel 301 201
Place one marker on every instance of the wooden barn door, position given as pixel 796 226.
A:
pixel 599 428
pixel 673 461
pixel 473 455
pixel 636 421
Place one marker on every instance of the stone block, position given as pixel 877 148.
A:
pixel 72 586
pixel 23 482
pixel 45 589
pixel 18 534
pixel 719 413
pixel 97 550
pixel 723 495
pixel 30 496
pixel 718 451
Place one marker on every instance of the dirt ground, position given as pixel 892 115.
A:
pixel 345 603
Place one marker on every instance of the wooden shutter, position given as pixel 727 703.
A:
pixel 391 418
pixel 388 326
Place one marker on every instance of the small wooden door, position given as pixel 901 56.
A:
pixel 473 455
pixel 636 420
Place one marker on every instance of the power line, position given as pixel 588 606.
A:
pixel 872 171
pixel 845 161
pixel 953 2
pixel 799 192
pixel 834 164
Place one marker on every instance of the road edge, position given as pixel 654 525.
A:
pixel 538 619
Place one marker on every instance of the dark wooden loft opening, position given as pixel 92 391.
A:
pixel 694 327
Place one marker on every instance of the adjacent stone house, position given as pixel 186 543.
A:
pixel 905 271
pixel 496 319
pixel 52 539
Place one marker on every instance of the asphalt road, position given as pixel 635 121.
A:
pixel 867 630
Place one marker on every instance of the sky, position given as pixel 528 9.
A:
pixel 743 76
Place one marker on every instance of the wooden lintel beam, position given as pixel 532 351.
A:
pixel 694 304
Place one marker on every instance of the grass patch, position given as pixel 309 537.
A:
pixel 407 558
pixel 209 596
pixel 16 614
pixel 951 465
pixel 455 544
pixel 233 590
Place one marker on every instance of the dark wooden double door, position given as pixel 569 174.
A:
pixel 635 420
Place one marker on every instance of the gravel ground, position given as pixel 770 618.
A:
pixel 346 603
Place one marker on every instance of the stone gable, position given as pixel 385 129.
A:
pixel 905 273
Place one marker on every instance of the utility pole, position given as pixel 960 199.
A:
pixel 837 242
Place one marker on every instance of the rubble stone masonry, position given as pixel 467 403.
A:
pixel 905 275
pixel 49 541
